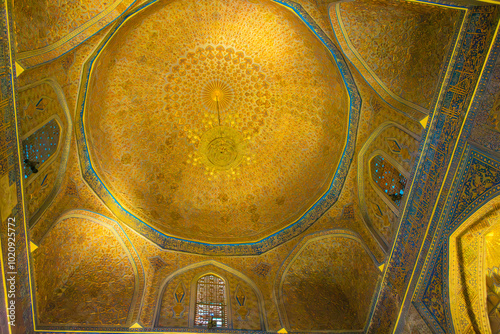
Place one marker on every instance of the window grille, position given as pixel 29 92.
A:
pixel 388 179
pixel 41 145
pixel 210 302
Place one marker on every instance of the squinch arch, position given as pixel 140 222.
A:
pixel 327 283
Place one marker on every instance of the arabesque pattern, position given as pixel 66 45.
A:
pixel 404 44
pixel 79 267
pixel 148 113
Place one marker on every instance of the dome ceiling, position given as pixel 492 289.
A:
pixel 217 122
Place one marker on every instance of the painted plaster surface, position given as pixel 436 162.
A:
pixel 415 324
pixel 47 29
pixel 382 213
pixel 159 263
pixel 39 104
pixel 246 316
pixel 403 43
pixel 471 252
pixel 486 131
pixel 41 22
pixel 293 128
pixel 321 295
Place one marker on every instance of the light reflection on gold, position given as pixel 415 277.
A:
pixel 217 90
pixel 492 247
pixel 221 148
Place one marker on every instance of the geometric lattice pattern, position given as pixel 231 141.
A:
pixel 210 302
pixel 41 145
pixel 388 178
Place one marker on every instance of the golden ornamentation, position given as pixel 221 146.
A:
pixel 417 51
pixel 326 275
pixel 221 148
pixel 150 128
pixel 493 286
pixel 79 278
pixel 199 80
pixel 217 91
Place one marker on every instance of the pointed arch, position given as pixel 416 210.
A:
pixel 219 265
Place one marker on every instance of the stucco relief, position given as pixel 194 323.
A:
pixel 43 105
pixel 79 267
pixel 486 130
pixel 399 146
pixel 47 29
pixel 318 9
pixel 493 291
pixel 414 324
pixel 399 47
pixel 284 120
pixel 327 283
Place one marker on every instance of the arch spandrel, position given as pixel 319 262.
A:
pixel 166 190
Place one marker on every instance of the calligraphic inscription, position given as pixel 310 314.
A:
pixel 433 296
pixel 436 155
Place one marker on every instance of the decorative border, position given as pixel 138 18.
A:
pixel 278 282
pixel 29 59
pixel 410 109
pixel 442 225
pixel 226 268
pixel 234 249
pixel 448 225
pixel 445 225
pixel 384 244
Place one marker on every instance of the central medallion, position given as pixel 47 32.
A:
pixel 221 148
pixel 223 135
pixel 217 91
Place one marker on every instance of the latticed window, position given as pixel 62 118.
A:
pixel 41 145
pixel 388 178
pixel 210 302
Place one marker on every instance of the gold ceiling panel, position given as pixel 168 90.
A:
pixel 219 121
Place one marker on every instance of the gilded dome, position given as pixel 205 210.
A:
pixel 219 122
